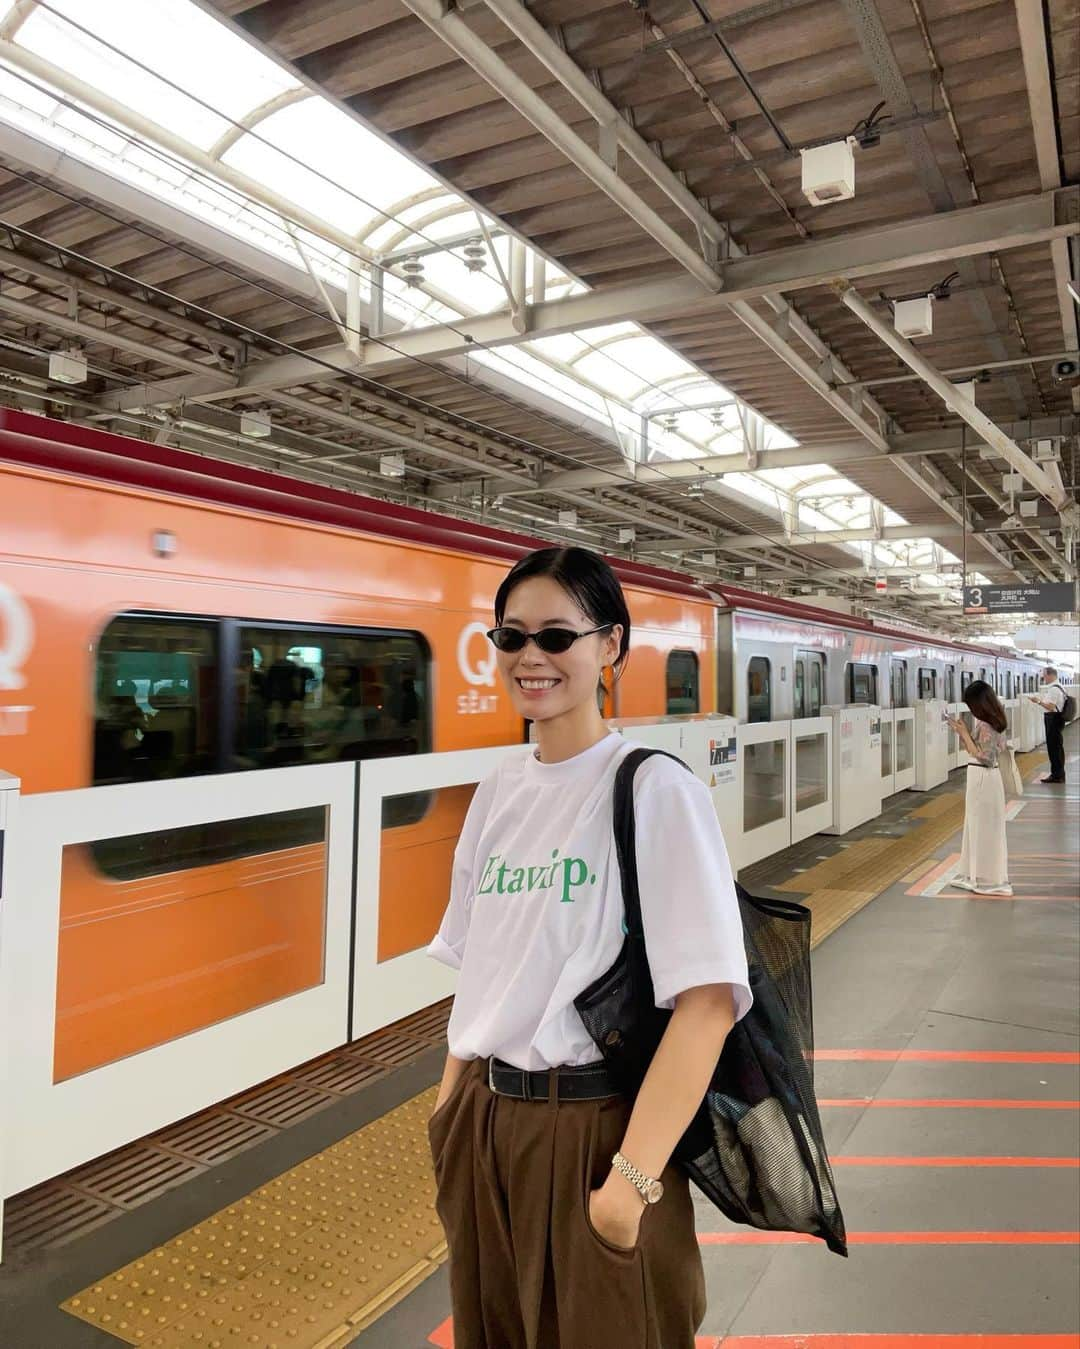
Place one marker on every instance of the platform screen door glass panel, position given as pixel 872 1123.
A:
pixel 886 748
pixel 905 745
pixel 764 784
pixel 682 683
pixel 196 925
pixel 415 866
pixel 811 771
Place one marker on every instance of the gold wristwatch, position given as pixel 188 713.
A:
pixel 651 1191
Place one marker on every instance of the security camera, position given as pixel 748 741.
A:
pixel 1065 370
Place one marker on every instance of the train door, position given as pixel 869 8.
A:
pixel 759 689
pixel 862 683
pixel 927 682
pixel 683 690
pixel 898 685
pixel 809 683
pixel 950 683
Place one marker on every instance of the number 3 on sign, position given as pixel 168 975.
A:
pixel 975 597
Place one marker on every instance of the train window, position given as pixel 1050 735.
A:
pixel 898 683
pixel 965 679
pixel 927 682
pixel 156 699
pixel 800 688
pixel 682 683
pixel 758 689
pixel 982 673
pixel 320 695
pixel 950 683
pixel 862 683
pixel 297 696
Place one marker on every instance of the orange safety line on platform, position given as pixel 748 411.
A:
pixel 443 1338
pixel 942 1056
pixel 971 894
pixel 1065 1162
pixel 916 1340
pixel 945 1103
pixel 752 1237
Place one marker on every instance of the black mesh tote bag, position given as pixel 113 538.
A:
pixel 755 1146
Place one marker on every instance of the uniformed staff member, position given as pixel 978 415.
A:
pixel 1052 703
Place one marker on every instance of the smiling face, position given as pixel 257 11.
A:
pixel 542 686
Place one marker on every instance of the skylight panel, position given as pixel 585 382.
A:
pixel 171 38
pixel 312 153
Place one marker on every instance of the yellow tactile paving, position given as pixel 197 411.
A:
pixel 303 1262
pixel 937 805
pixel 833 869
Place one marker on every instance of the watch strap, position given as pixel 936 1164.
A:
pixel 638 1179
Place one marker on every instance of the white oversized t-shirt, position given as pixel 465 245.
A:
pixel 536 910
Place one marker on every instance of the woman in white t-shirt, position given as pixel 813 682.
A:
pixel 568 1228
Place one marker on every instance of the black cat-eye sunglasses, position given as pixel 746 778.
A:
pixel 553 641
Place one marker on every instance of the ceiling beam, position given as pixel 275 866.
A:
pixel 818 538
pixel 1012 223
pixel 14 260
pixel 889 77
pixel 1054 491
pixel 1031 22
pixel 461 39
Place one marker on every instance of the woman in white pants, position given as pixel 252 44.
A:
pixel 984 854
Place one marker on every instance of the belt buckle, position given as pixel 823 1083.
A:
pixel 526 1085
pixel 491 1075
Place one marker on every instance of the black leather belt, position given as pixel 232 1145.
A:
pixel 591 1082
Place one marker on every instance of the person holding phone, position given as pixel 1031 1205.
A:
pixel 984 854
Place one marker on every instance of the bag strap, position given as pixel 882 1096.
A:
pixel 626 851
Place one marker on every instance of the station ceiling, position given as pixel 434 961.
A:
pixel 648 155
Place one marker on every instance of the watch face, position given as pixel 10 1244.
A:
pixel 655 1192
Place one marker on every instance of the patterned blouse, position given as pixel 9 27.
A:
pixel 991 744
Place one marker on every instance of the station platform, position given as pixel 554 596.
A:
pixel 948 1072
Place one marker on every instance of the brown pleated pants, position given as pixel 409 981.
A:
pixel 527 1269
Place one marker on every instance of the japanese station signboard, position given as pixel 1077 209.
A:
pixel 1051 597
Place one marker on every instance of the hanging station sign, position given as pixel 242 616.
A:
pixel 1051 597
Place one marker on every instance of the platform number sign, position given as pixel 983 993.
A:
pixel 1054 597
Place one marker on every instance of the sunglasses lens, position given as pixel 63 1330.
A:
pixel 555 640
pixel 507 639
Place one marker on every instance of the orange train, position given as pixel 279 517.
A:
pixel 166 615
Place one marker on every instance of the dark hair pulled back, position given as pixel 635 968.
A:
pixel 983 703
pixel 586 578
